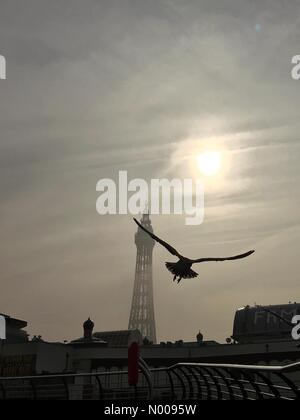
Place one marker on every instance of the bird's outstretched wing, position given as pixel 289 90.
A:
pixel 236 257
pixel 160 241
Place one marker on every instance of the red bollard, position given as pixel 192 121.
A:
pixel 133 364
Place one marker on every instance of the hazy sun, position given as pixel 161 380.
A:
pixel 210 163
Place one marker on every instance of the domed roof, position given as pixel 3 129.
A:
pixel 88 324
pixel 88 339
pixel 200 337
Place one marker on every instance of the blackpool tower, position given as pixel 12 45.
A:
pixel 142 309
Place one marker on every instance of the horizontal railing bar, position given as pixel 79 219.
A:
pixel 233 387
pixel 282 388
pixel 292 367
pixel 288 368
pixel 214 389
pixel 67 375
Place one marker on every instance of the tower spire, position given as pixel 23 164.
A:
pixel 142 309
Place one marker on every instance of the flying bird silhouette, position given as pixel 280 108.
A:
pixel 182 269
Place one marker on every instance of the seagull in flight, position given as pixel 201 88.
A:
pixel 182 269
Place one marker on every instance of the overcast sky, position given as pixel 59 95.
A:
pixel 98 86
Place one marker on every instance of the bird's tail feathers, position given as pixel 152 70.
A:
pixel 191 274
pixel 173 268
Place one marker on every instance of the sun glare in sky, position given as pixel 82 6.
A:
pixel 210 162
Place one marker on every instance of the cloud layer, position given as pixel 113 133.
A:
pixel 96 87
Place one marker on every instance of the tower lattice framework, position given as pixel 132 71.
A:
pixel 142 309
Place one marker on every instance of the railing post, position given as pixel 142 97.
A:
pixel 66 388
pixel 196 378
pixel 272 387
pixel 169 373
pixel 226 382
pixel 100 387
pixel 133 364
pixel 3 391
pixel 34 391
pixel 181 383
pixel 147 374
pixel 191 390
pixel 290 383
pixel 217 385
pixel 253 384
pixel 234 377
pixel 208 390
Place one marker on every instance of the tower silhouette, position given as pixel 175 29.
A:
pixel 142 309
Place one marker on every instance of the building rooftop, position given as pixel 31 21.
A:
pixel 17 323
pixel 119 338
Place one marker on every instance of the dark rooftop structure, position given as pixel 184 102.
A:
pixel 119 338
pixel 264 323
pixel 14 330
pixel 88 339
